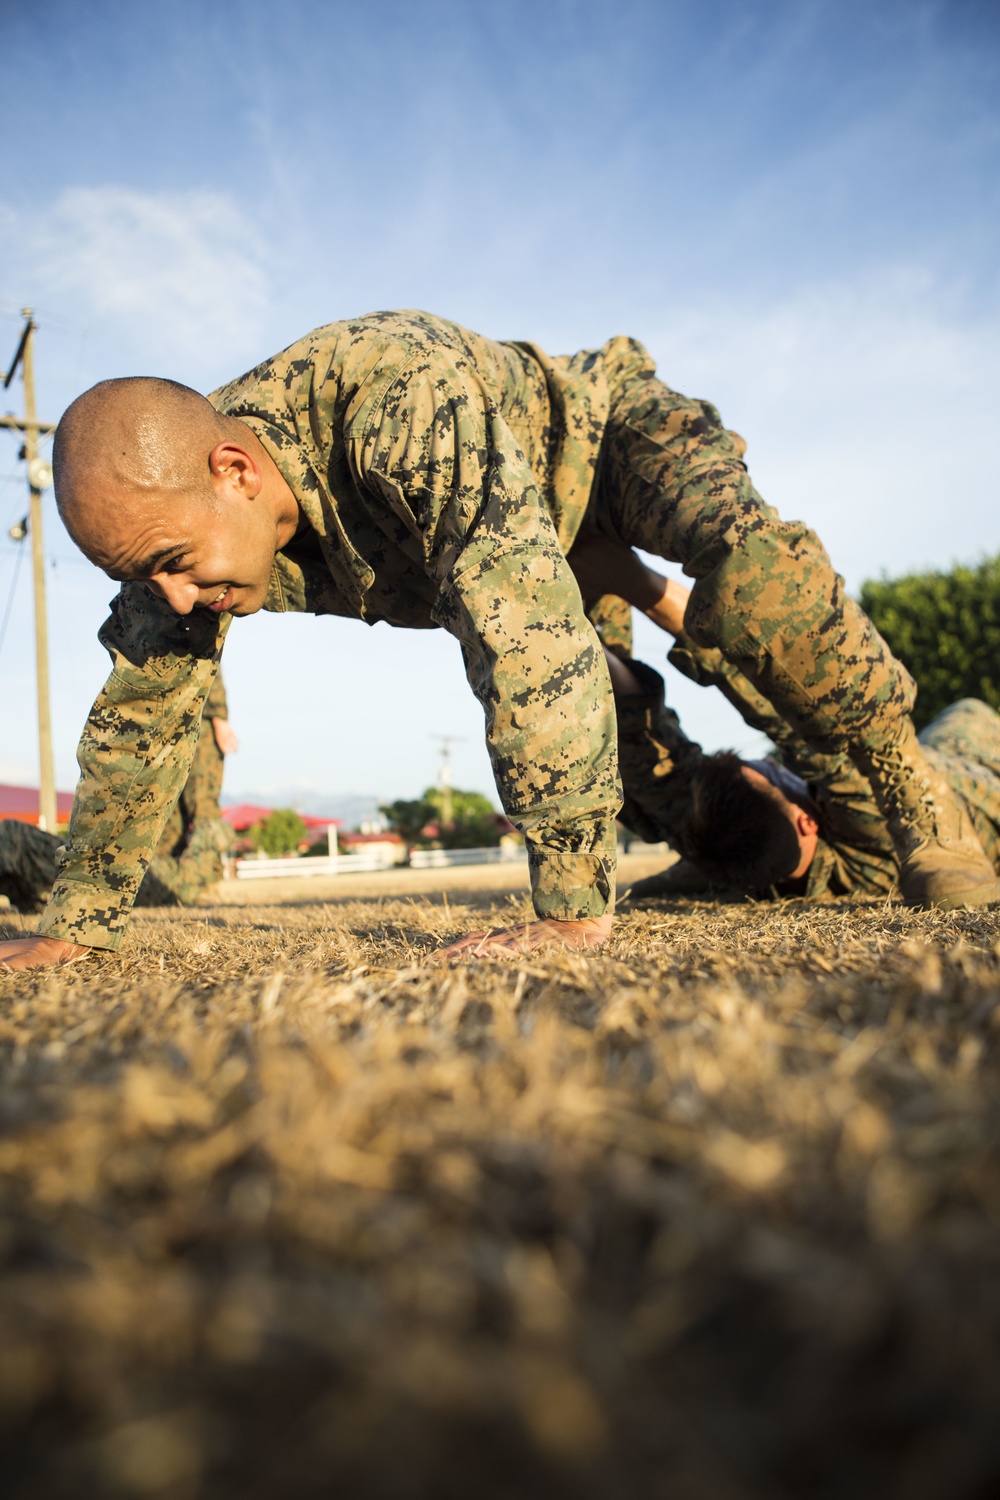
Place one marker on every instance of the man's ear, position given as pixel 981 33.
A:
pixel 805 823
pixel 229 461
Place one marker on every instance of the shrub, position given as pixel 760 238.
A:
pixel 945 627
pixel 279 833
pixel 473 823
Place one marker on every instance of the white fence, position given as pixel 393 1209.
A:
pixel 437 859
pixel 337 864
pixel 362 864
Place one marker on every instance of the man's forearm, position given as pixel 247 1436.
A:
pixel 135 753
pixel 531 657
pixel 538 669
pixel 131 776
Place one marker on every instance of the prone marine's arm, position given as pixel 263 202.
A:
pixel 134 756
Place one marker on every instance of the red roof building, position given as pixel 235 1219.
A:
pixel 21 802
pixel 362 840
pixel 245 814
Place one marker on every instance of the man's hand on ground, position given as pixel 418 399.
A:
pixel 526 937
pixel 38 953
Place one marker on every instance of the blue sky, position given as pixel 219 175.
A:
pixel 795 205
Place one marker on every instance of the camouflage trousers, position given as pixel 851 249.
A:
pixel 187 860
pixel 199 801
pixel 672 482
pixel 657 762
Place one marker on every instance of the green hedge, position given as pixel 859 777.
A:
pixel 946 628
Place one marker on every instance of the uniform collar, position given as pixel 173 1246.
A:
pixel 294 462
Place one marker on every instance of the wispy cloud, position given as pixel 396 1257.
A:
pixel 175 276
pixel 868 405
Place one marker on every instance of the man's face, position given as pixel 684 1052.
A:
pixel 210 551
pixel 802 821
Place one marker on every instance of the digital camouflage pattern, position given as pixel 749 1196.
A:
pixel 855 852
pixel 135 754
pixel 188 858
pixel 963 743
pixel 444 477
pixel 199 799
pixel 611 617
pixel 765 595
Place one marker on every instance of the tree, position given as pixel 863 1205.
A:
pixel 409 818
pixel 945 628
pixel 473 823
pixel 279 833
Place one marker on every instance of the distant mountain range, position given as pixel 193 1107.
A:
pixel 351 808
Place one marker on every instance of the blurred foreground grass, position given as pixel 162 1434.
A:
pixel 287 1212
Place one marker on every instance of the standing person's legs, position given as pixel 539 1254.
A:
pixel 766 595
pixel 189 857
pixel 199 800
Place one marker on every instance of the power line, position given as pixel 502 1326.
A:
pixel 56 321
pixel 10 596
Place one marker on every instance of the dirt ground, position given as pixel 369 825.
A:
pixel 285 1210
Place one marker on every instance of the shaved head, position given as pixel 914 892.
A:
pixel 132 442
pixel 156 486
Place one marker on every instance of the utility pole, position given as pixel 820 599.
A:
pixel 39 478
pixel 444 775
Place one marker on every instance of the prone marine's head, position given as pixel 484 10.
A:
pixel 749 828
pixel 154 484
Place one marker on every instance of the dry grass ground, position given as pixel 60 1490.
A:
pixel 287 1212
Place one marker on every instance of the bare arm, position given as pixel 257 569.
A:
pixel 603 566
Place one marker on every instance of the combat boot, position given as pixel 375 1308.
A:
pixel 941 860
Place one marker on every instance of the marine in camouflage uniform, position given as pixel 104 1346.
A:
pixel 854 854
pixel 188 858
pixel 442 479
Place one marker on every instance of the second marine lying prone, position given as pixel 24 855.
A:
pixel 802 823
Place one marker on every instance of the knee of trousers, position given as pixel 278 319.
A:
pixel 772 603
